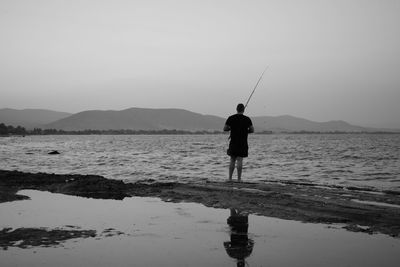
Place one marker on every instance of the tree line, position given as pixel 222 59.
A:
pixel 6 130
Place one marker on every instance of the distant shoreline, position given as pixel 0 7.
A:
pixel 196 133
pixel 21 131
pixel 178 132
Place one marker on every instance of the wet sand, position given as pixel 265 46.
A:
pixel 359 211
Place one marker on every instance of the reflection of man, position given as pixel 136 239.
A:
pixel 240 126
pixel 240 246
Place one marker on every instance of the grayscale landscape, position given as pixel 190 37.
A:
pixel 200 133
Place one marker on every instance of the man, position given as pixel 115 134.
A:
pixel 240 126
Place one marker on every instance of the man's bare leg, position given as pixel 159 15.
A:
pixel 239 168
pixel 231 167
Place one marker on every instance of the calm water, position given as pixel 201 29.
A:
pixel 155 233
pixel 354 159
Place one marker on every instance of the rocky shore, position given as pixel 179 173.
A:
pixel 357 210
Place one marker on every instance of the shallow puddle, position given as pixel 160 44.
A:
pixel 149 232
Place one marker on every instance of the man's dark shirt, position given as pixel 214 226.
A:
pixel 239 125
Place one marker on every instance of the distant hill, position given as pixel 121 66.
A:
pixel 30 118
pixel 139 119
pixel 160 119
pixel 293 124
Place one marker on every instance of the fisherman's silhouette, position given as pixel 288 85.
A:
pixel 240 246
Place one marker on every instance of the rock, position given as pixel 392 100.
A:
pixel 90 186
pixel 39 237
pixel 54 152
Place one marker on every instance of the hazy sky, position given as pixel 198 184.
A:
pixel 328 60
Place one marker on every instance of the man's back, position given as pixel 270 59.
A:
pixel 239 126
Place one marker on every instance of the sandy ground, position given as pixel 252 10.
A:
pixel 358 210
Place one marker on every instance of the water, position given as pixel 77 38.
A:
pixel 363 160
pixel 155 233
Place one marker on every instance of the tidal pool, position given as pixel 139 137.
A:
pixel 150 232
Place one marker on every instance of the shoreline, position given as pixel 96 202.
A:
pixel 356 210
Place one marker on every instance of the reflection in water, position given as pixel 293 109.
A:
pixel 240 246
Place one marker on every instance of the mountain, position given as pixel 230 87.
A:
pixel 288 123
pixel 139 119
pixel 160 119
pixel 30 118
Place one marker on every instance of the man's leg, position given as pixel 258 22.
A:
pixel 239 167
pixel 231 167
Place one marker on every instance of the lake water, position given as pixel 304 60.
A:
pixel 363 160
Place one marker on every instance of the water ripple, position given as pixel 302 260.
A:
pixel 355 159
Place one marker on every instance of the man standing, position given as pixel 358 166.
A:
pixel 240 126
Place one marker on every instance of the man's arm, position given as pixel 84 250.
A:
pixel 251 129
pixel 227 126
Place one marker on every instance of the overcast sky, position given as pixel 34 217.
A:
pixel 328 60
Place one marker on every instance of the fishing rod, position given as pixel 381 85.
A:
pixel 255 87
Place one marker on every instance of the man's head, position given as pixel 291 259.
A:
pixel 240 108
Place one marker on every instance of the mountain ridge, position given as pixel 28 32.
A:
pixel 30 118
pixel 138 119
pixel 135 118
pixel 295 124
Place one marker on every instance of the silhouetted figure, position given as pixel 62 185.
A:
pixel 240 246
pixel 239 126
